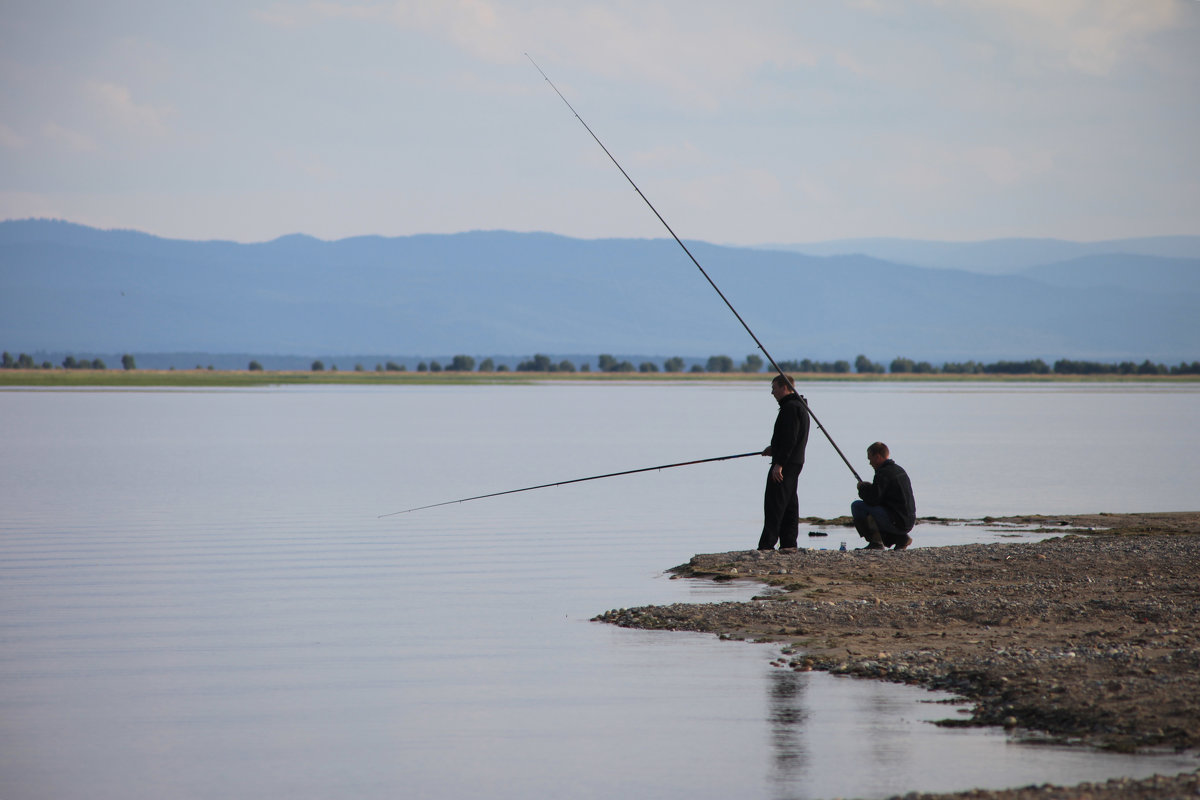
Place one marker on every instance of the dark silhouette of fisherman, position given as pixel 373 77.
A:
pixel 781 508
pixel 886 510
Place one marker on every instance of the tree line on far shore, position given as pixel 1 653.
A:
pixel 25 361
pixel 1036 366
pixel 753 363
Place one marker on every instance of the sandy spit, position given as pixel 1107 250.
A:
pixel 1091 638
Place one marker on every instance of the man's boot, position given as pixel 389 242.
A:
pixel 873 536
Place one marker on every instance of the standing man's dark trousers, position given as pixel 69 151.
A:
pixel 781 510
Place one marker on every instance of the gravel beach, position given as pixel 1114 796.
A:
pixel 1090 638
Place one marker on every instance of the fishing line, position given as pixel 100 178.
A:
pixel 694 261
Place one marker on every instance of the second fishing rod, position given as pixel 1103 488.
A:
pixel 697 263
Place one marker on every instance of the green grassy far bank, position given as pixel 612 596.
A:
pixel 89 378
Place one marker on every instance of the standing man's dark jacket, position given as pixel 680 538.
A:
pixel 781 517
pixel 892 490
pixel 791 432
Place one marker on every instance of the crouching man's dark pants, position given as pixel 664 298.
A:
pixel 888 534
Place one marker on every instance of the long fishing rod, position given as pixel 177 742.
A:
pixel 694 261
pixel 575 480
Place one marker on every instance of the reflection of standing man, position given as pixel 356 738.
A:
pixel 781 509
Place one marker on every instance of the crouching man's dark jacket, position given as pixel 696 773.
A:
pixel 893 490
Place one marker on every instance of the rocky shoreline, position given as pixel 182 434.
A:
pixel 1090 638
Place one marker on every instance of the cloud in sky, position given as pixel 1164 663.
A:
pixel 116 106
pixel 68 139
pixel 767 122
pixel 9 138
pixel 1091 36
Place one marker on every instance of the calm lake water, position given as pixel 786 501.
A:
pixel 200 600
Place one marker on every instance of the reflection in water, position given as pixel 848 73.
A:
pixel 833 736
pixel 787 715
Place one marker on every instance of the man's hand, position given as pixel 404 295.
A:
pixel 777 473
pixel 863 485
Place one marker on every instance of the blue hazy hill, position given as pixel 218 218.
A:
pixel 68 287
pixel 999 256
pixel 1133 272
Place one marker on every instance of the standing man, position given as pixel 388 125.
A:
pixel 887 510
pixel 781 509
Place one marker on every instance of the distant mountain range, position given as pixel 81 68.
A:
pixel 66 287
pixel 999 256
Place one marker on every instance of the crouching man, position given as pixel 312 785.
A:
pixel 887 510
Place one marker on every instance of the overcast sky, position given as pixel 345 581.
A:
pixel 744 123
